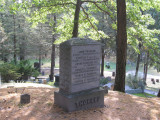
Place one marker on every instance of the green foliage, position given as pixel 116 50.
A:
pixel 135 82
pixel 104 81
pixel 26 69
pixel 9 72
pixel 51 83
pixel 23 69
pixel 144 95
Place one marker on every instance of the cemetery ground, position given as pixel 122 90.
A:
pixel 118 106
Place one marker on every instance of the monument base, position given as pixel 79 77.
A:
pixel 80 101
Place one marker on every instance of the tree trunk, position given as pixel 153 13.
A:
pixel 158 95
pixel 52 60
pixel 137 65
pixel 22 50
pixel 121 43
pixel 40 60
pixel 76 19
pixel 145 69
pixel 14 40
pixel 138 60
pixel 53 53
pixel 103 52
pixel 102 64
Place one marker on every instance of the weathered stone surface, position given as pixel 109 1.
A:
pixel 80 101
pixel 79 75
pixel 25 98
pixel 79 65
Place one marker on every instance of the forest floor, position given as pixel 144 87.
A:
pixel 118 106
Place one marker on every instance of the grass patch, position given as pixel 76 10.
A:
pixel 113 67
pixel 46 62
pixel 130 67
pixel 144 95
pixel 1 62
pixel 50 83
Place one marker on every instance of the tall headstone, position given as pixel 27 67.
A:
pixel 79 75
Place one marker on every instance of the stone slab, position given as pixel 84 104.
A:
pixel 79 65
pixel 80 101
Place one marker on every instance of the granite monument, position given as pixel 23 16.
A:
pixel 79 75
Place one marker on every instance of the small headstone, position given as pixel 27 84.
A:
pixel 113 74
pixel 56 83
pixel 152 79
pixel 157 80
pixel 153 82
pixel 25 98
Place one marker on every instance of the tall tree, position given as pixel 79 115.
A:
pixel 53 50
pixel 14 39
pixel 76 19
pixel 138 60
pixel 121 46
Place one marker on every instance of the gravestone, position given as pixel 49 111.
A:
pixel 56 83
pixel 152 79
pixel 113 74
pixel 25 98
pixel 79 75
pixel 153 82
pixel 157 80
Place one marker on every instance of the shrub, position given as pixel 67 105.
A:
pixel 135 82
pixel 26 69
pixel 9 72
pixel 104 81
pixel 21 71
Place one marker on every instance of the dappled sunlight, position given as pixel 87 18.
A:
pixel 117 106
pixel 9 96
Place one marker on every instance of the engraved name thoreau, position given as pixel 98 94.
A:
pixel 86 102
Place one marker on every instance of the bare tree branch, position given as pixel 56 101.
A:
pixel 94 1
pixel 87 16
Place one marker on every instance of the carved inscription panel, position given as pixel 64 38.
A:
pixel 85 64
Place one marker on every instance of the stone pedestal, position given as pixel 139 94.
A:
pixel 80 101
pixel 79 75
